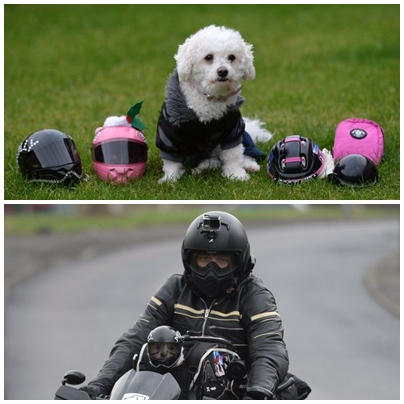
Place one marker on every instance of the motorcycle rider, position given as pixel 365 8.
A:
pixel 218 296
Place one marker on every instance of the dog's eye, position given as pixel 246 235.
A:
pixel 209 58
pixel 232 58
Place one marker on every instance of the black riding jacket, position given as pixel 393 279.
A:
pixel 247 316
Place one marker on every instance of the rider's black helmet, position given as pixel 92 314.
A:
pixel 294 159
pixel 164 346
pixel 49 156
pixel 355 170
pixel 221 235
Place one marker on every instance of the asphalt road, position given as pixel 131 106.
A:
pixel 340 339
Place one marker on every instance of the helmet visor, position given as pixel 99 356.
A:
pixel 355 170
pixel 223 262
pixel 120 152
pixel 52 154
pixel 163 352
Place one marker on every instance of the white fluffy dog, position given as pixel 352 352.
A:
pixel 200 125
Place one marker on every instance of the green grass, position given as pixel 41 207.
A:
pixel 71 66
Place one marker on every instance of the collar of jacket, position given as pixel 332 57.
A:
pixel 177 109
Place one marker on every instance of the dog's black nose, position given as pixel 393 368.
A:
pixel 222 72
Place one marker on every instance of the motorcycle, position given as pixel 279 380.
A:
pixel 217 373
pixel 132 385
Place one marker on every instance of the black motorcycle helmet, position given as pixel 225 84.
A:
pixel 216 253
pixel 164 345
pixel 294 159
pixel 355 170
pixel 49 156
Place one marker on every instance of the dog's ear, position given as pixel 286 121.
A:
pixel 184 61
pixel 249 69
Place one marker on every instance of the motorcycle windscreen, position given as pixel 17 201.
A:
pixel 53 154
pixel 145 385
pixel 120 152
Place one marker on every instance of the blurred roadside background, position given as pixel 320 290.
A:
pixel 40 236
pixel 76 276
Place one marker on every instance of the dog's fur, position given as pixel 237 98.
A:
pixel 211 65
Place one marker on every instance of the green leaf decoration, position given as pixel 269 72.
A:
pixel 131 117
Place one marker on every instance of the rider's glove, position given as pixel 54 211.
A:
pixel 256 395
pixel 92 390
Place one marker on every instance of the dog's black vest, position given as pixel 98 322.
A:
pixel 181 137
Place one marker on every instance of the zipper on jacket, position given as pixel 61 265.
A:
pixel 207 312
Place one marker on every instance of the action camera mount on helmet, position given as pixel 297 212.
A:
pixel 211 222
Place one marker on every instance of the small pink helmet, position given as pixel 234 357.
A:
pixel 119 154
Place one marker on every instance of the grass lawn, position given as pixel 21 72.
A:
pixel 70 66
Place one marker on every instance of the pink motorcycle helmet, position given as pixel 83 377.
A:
pixel 119 154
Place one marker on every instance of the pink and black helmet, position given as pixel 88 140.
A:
pixel 119 154
pixel 295 159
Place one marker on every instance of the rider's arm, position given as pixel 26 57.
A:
pixel 268 356
pixel 158 312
